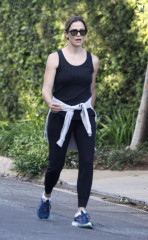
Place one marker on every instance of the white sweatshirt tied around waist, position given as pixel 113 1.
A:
pixel 68 117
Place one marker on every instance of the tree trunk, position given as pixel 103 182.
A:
pixel 141 128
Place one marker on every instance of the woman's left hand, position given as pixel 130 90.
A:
pixel 55 107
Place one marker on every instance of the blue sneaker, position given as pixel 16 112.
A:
pixel 82 220
pixel 43 210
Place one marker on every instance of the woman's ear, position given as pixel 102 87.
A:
pixel 66 35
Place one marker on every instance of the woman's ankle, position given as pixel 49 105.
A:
pixel 81 209
pixel 47 195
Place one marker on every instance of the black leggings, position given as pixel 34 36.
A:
pixel 85 145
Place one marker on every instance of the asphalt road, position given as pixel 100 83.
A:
pixel 18 220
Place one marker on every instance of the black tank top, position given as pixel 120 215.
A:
pixel 72 83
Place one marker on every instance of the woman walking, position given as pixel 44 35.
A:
pixel 69 90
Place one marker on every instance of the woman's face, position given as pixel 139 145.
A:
pixel 78 39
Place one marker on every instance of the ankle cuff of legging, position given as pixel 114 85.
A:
pixel 82 203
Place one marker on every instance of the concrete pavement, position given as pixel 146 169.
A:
pixel 123 186
pixel 19 200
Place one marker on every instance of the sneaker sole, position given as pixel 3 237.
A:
pixel 87 225
pixel 44 219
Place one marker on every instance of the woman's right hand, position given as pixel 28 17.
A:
pixel 55 107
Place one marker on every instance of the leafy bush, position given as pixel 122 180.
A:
pixel 118 158
pixel 120 32
pixel 117 129
pixel 25 143
pixel 114 158
pixel 29 154
pixel 117 35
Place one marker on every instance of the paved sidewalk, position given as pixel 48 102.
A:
pixel 122 185
pixel 126 186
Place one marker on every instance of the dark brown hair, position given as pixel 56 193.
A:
pixel 74 19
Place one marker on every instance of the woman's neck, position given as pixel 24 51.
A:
pixel 74 50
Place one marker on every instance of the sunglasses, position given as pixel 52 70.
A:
pixel 74 32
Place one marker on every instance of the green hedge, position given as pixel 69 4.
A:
pixel 31 30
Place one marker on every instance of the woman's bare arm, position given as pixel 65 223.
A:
pixel 93 85
pixel 49 76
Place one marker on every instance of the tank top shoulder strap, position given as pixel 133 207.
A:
pixel 89 61
pixel 61 59
pixel 59 52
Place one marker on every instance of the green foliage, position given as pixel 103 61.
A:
pixel 118 158
pixel 19 54
pixel 121 31
pixel 117 34
pixel 29 154
pixel 24 142
pixel 30 31
pixel 117 129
